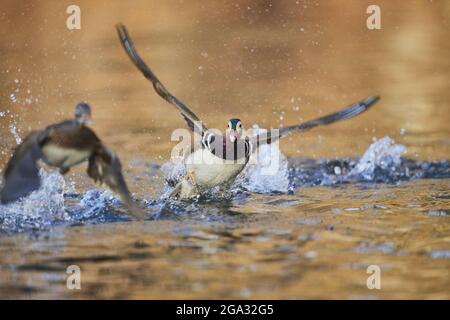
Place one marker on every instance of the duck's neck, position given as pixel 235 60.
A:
pixel 80 123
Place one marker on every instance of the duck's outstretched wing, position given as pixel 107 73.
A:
pixel 105 168
pixel 21 175
pixel 347 113
pixel 189 117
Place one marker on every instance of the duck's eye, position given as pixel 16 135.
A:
pixel 240 126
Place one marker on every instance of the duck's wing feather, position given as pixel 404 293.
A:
pixel 189 117
pixel 21 175
pixel 347 113
pixel 105 168
pixel 70 135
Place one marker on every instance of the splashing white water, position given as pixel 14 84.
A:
pixel 173 171
pixel 46 206
pixel 13 130
pixel 383 154
pixel 267 171
pixel 41 208
pixel 13 97
pixel 93 202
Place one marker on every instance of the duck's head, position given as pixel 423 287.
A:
pixel 83 113
pixel 234 129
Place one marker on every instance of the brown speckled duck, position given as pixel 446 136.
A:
pixel 222 157
pixel 64 145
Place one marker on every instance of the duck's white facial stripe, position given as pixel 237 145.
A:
pixel 238 125
pixel 208 139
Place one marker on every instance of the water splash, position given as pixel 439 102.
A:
pixel 13 130
pixel 381 163
pixel 13 97
pixel 58 202
pixel 383 156
pixel 92 203
pixel 42 208
pixel 173 172
pixel 266 172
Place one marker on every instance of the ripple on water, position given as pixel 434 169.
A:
pixel 366 247
pixel 440 254
pixel 438 213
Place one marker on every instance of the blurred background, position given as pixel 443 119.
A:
pixel 272 63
